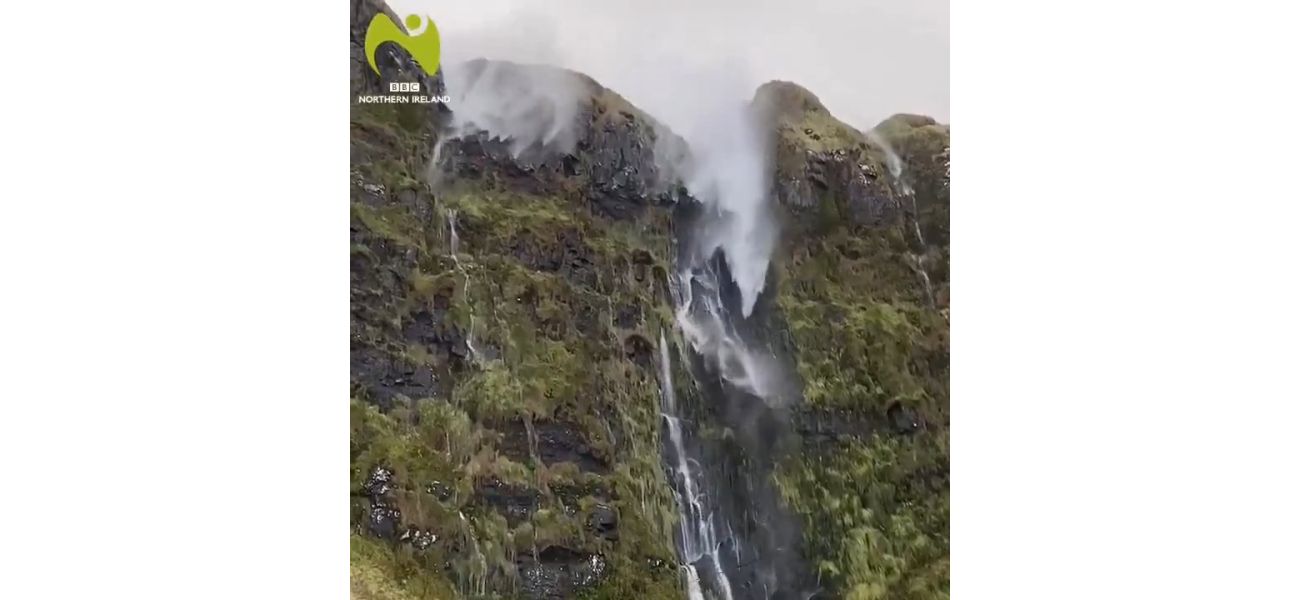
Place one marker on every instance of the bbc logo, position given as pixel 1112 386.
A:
pixel 404 86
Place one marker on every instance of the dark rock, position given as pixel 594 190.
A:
pixel 837 177
pixel 378 484
pixel 627 316
pixel 385 379
pixel 420 539
pixel 558 572
pixel 639 350
pixel 439 490
pixel 557 442
pixel 516 503
pixel 604 522
pixel 431 329
pixel 902 419
pixel 382 519
pixel 822 426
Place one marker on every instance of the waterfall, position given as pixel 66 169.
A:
pixel 730 176
pixel 697 538
pixel 455 258
pixel 735 541
pixel 707 326
pixel 895 164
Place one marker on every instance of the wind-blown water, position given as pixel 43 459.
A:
pixel 707 326
pixel 730 177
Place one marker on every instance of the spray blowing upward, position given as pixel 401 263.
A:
pixel 732 539
pixel 729 176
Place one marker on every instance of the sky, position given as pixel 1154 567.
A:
pixel 865 59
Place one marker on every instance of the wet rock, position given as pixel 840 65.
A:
pixel 384 521
pixel 795 192
pixel 820 426
pixel 826 176
pixel 903 420
pixel 869 204
pixel 557 442
pixel 382 518
pixel 420 539
pixel 516 503
pixel 378 484
pixel 385 379
pixel 559 572
pixel 431 329
pixel 627 316
pixel 604 522
pixel 621 167
pixel 439 490
pixel 639 350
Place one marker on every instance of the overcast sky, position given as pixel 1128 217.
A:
pixel 865 59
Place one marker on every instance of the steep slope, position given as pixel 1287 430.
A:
pixel 517 281
pixel 862 282
pixel 505 407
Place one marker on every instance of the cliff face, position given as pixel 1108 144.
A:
pixel 508 303
pixel 863 285
pixel 505 407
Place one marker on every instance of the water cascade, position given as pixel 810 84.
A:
pixel 895 164
pixel 455 249
pixel 721 439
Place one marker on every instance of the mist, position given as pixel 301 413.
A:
pixel 865 59
pixel 528 107
pixel 694 67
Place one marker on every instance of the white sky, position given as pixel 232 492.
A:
pixel 865 59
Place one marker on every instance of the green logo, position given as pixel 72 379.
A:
pixel 424 48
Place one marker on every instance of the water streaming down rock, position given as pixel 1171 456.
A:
pixel 455 257
pixel 720 442
pixel 742 542
pixel 697 539
pixel 900 183
pixel 735 540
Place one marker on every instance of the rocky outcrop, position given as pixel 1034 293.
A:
pixel 826 172
pixel 504 414
pixel 862 286
pixel 557 573
pixel 607 153
pixel 507 300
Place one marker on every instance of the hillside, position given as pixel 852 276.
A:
pixel 516 336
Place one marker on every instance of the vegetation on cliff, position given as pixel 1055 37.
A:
pixel 862 283
pixel 505 408
pixel 505 413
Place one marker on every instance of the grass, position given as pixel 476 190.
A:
pixel 867 339
pixel 544 323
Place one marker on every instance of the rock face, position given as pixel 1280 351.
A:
pixel 827 173
pixel 607 153
pixel 863 286
pixel 505 302
pixel 504 417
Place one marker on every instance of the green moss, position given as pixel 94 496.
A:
pixel 645 580
pixel 882 509
pixel 866 339
pixel 391 223
pixel 539 278
pixel 381 573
